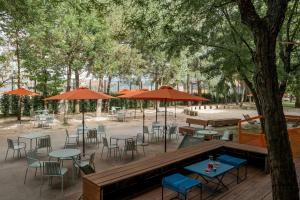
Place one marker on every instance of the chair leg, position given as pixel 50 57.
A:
pixel 62 184
pixel 6 154
pixel 25 175
pixel 102 151
pixel 35 171
pixel 14 154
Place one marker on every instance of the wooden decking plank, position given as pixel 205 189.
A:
pixel 148 165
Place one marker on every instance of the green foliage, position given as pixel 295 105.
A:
pixel 14 105
pixel 37 103
pixel 26 105
pixel 5 105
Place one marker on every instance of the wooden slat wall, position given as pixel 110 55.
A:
pixel 93 184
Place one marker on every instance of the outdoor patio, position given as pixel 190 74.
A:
pixel 12 170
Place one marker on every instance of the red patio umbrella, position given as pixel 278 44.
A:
pixel 81 93
pixel 124 91
pixel 167 93
pixel 21 92
pixel 132 93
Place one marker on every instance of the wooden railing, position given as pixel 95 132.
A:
pixel 259 139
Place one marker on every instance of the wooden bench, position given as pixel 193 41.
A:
pixel 201 122
pixel 136 177
pixel 224 122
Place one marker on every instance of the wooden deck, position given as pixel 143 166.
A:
pixel 124 181
pixel 257 186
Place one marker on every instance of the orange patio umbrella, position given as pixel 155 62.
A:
pixel 124 91
pixel 21 92
pixel 82 93
pixel 132 93
pixel 167 93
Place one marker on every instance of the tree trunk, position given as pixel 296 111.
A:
pixel 76 102
pixel 297 103
pixel 283 174
pixel 105 102
pixel 18 74
pixel 243 94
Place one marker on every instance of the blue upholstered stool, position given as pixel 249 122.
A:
pixel 234 161
pixel 180 184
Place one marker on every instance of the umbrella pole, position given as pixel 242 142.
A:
pixel 175 111
pixel 165 126
pixel 83 142
pixel 156 111
pixel 143 123
pixel 135 110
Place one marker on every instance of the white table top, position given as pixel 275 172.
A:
pixel 33 135
pixel 64 153
pixel 206 132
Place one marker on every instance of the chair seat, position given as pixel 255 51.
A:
pixel 82 163
pixel 36 164
pixel 20 146
pixel 232 160
pixel 73 136
pixel 179 183
pixel 113 146
pixel 143 144
pixel 63 171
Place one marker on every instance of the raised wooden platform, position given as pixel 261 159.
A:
pixel 137 177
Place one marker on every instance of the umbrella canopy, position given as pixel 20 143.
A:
pixel 124 91
pixel 167 93
pixel 81 93
pixel 132 93
pixel 22 92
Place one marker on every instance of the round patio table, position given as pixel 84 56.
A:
pixel 121 137
pixel 207 133
pixel 64 154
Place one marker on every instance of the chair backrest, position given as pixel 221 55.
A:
pixel 10 143
pixel 139 137
pixel 226 135
pixel 31 157
pixel 248 118
pixel 51 168
pixel 92 159
pixel 146 129
pixel 172 130
pixel 130 145
pixel 44 142
pixel 71 146
pixel 101 129
pixel 105 142
pixel 92 133
pixel 67 133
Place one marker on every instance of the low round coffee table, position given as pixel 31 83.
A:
pixel 207 133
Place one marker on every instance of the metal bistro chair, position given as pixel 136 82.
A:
pixel 83 163
pixel 92 136
pixel 121 116
pixel 33 162
pixel 48 122
pixel 15 146
pixel 44 142
pixel 173 131
pixel 109 147
pixel 156 130
pixel 101 131
pixel 140 142
pixel 130 145
pixel 227 136
pixel 69 137
pixel 53 169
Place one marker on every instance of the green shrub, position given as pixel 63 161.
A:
pixel 26 106
pixel 5 105
pixel 14 105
